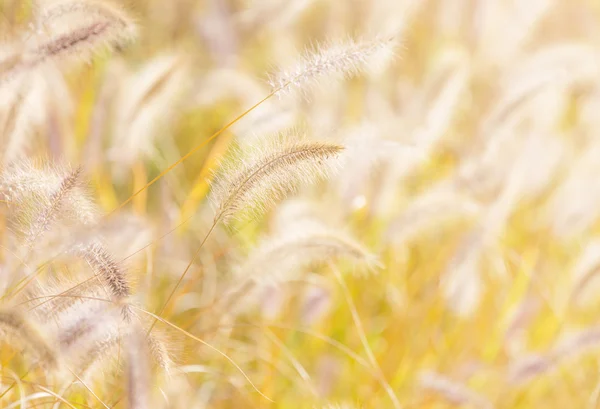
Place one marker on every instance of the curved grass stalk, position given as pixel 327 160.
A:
pixel 295 363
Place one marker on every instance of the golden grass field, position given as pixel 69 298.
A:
pixel 300 204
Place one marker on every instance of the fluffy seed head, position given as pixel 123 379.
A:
pixel 16 325
pixel 331 61
pixel 46 203
pixel 101 25
pixel 112 275
pixel 269 175
pixel 159 352
pixel 283 255
pixel 48 214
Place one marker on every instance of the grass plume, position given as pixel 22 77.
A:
pixel 332 61
pixel 14 324
pixel 48 214
pixel 110 272
pixel 105 26
pixel 302 247
pixel 270 175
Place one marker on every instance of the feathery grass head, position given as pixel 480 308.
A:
pixel 158 350
pixel 60 12
pixel 302 246
pixel 87 333
pixel 98 24
pixel 111 273
pixel 269 174
pixel 332 61
pixel 15 325
pixel 73 29
pixel 45 200
pixel 48 214
pixel 148 102
pixel 83 324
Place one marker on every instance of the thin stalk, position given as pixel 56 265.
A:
pixel 187 268
pixel 363 337
pixel 194 150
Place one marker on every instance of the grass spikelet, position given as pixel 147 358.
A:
pixel 431 209
pixel 286 253
pixel 70 9
pixel 96 354
pixel 79 329
pixel 47 216
pixel 148 102
pixel 41 193
pixel 159 352
pixel 72 42
pixel 24 178
pixel 85 324
pixel 104 26
pixel 283 256
pixel 28 106
pixel 53 298
pixel 110 272
pixel 270 175
pixel 332 61
pixel 14 324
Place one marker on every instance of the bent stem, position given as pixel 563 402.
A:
pixel 363 337
pixel 187 268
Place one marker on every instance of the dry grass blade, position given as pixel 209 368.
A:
pixel 271 175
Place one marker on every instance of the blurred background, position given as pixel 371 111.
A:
pixel 472 174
